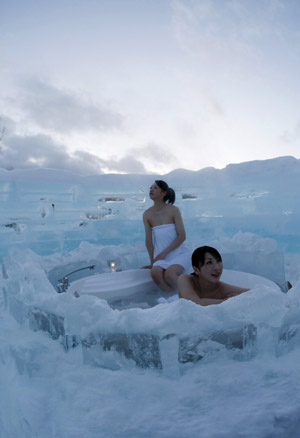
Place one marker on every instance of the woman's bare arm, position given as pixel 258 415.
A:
pixel 228 290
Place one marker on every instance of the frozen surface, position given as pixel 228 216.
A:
pixel 53 386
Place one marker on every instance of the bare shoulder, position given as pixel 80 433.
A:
pixel 185 278
pixel 173 210
pixel 147 213
pixel 185 283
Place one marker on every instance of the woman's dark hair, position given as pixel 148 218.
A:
pixel 198 256
pixel 170 196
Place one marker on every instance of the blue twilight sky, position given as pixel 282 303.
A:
pixel 148 85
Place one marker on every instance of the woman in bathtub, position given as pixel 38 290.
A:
pixel 165 234
pixel 203 286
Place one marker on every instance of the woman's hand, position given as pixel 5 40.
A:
pixel 160 256
pixel 146 267
pixel 232 294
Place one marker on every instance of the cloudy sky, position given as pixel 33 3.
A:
pixel 141 86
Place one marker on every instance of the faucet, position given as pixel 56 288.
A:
pixel 63 283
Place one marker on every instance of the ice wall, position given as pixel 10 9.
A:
pixel 51 211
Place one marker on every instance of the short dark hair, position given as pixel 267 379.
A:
pixel 198 256
pixel 170 196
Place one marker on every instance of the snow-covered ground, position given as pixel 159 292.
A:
pixel 53 223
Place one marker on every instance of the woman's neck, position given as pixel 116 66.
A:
pixel 158 205
pixel 206 288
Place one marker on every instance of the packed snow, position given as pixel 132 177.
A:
pixel 84 367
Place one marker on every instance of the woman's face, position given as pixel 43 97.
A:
pixel 156 192
pixel 211 270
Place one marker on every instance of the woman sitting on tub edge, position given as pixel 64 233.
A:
pixel 165 234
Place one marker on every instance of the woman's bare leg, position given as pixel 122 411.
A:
pixel 171 276
pixel 157 274
pixel 166 279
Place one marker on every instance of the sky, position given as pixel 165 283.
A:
pixel 148 86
